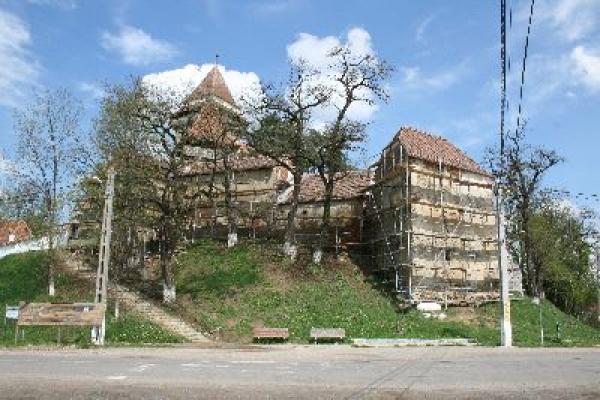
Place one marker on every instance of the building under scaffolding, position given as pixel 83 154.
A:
pixel 430 222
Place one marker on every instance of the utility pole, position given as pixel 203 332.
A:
pixel 505 324
pixel 98 332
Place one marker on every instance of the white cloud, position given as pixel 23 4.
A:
pixel 561 61
pixel 182 81
pixel 314 51
pixel 18 69
pixel 414 80
pixel 570 20
pixel 422 27
pixel 554 76
pixel 137 47
pixel 587 67
pixel 95 90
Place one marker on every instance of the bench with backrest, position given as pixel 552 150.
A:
pixel 327 333
pixel 270 333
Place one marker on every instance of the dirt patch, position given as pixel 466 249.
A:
pixel 467 315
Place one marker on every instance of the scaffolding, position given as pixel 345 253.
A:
pixel 395 210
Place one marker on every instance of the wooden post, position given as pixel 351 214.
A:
pixel 104 253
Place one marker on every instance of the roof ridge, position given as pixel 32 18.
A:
pixel 213 84
pixel 435 148
pixel 422 131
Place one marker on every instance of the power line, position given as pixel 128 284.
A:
pixel 524 66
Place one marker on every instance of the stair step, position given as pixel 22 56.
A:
pixel 151 311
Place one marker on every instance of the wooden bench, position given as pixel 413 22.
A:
pixel 270 333
pixel 327 333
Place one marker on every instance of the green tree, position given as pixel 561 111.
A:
pixel 560 253
pixel 146 135
pixel 521 175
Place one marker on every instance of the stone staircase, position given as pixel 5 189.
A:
pixel 134 302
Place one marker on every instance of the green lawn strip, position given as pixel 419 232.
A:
pixel 526 326
pixel 132 329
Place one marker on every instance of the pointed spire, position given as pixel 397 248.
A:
pixel 213 85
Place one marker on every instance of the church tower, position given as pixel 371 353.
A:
pixel 212 88
pixel 215 116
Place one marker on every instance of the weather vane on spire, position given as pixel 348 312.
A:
pixel 217 59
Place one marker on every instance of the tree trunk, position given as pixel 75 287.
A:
pixel 53 219
pixel 51 289
pixel 531 272
pixel 325 222
pixel 51 260
pixel 169 294
pixel 289 246
pixel 232 217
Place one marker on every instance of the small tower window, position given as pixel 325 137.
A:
pixel 447 254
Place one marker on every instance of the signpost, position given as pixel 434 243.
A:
pixel 60 314
pixel 12 313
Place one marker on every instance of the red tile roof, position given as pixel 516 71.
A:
pixel 18 231
pixel 213 85
pixel 432 148
pixel 350 186
pixel 210 126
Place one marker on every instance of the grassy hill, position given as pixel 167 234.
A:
pixel 23 278
pixel 227 291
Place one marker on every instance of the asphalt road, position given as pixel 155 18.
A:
pixel 280 372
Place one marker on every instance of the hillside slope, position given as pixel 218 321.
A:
pixel 23 278
pixel 228 291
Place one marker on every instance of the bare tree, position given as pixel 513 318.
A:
pixel 355 78
pixel 49 153
pixel 282 132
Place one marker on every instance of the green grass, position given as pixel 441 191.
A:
pixel 526 325
pixel 228 292
pixel 23 278
pixel 132 329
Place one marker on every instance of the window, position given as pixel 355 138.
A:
pixel 389 162
pixel 398 155
pixel 447 254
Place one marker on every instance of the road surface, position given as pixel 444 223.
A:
pixel 311 372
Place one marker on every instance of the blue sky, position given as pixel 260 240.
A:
pixel 445 56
